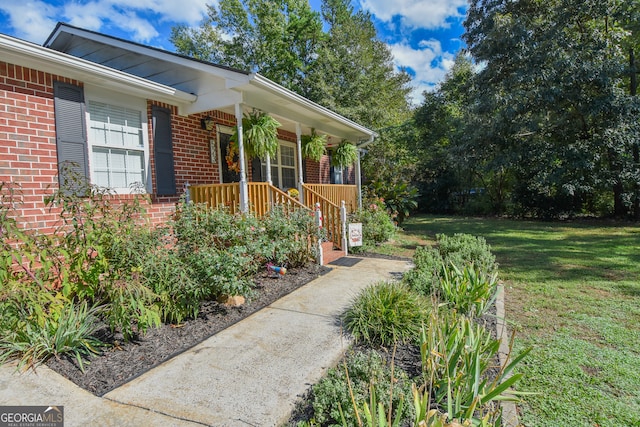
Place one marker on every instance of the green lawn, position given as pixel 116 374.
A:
pixel 573 294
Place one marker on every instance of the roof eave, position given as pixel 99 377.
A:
pixel 31 55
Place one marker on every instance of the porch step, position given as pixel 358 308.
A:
pixel 330 254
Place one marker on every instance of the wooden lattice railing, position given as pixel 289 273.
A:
pixel 330 214
pixel 336 193
pixel 262 196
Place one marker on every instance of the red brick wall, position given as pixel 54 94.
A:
pixel 28 160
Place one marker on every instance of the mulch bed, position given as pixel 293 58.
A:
pixel 120 362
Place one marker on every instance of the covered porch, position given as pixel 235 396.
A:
pixel 329 198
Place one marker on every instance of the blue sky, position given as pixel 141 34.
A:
pixel 424 36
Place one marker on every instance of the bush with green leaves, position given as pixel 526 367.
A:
pixel 462 252
pixel 463 249
pixel 289 237
pixel 400 198
pixel 332 402
pixel 377 226
pixel 425 274
pixel 384 314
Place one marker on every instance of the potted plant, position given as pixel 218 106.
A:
pixel 313 146
pixel 344 155
pixel 260 134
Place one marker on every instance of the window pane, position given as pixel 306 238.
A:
pixel 287 155
pixel 288 177
pixel 117 168
pixel 101 178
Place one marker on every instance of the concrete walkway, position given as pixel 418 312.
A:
pixel 251 374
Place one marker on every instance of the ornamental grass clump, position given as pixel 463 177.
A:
pixel 458 357
pixel 469 291
pixel 384 314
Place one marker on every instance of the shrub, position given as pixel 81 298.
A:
pixel 399 198
pixel 464 249
pixel 332 399
pixel 222 272
pixel 377 226
pixel 384 314
pixel 288 237
pixel 470 255
pixel 425 274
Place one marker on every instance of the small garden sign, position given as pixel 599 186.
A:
pixel 355 234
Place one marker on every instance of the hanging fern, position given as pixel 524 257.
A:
pixel 344 155
pixel 313 146
pixel 260 134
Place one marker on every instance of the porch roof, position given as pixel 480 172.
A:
pixel 214 87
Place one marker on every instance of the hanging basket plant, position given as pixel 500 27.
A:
pixel 344 155
pixel 259 134
pixel 313 146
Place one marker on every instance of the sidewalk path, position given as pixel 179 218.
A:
pixel 251 374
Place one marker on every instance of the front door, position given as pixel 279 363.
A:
pixel 230 159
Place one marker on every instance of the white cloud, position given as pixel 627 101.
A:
pixel 141 19
pixel 31 20
pixel 428 62
pixel 416 13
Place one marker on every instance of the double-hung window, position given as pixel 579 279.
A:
pixel 117 146
pixel 283 166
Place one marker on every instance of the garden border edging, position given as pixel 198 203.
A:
pixel 509 412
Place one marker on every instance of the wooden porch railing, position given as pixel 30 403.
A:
pixel 336 193
pixel 217 195
pixel 330 214
pixel 261 197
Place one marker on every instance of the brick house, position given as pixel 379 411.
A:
pixel 126 113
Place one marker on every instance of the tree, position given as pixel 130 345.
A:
pixel 277 38
pixel 550 96
pixel 354 73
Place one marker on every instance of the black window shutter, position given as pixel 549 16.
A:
pixel 71 136
pixel 163 151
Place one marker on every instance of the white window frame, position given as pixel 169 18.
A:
pixel 278 164
pixel 119 100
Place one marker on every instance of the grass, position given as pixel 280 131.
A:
pixel 573 293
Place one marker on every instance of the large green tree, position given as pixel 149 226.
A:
pixel 277 38
pixel 551 97
pixel 343 66
pixel 354 73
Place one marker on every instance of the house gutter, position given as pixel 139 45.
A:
pixel 266 84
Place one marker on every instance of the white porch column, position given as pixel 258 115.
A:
pixel 244 190
pixel 267 178
pixel 359 179
pixel 300 171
